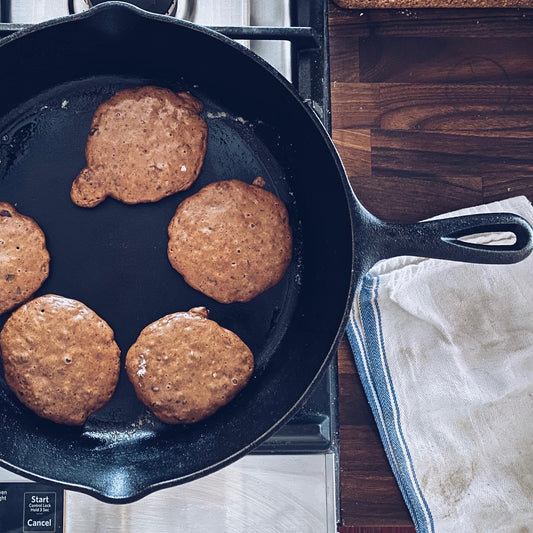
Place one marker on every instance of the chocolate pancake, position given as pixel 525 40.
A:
pixel 231 240
pixel 60 358
pixel 185 367
pixel 24 259
pixel 144 144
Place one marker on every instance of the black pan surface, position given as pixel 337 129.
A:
pixel 113 257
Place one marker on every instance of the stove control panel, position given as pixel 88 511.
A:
pixel 30 507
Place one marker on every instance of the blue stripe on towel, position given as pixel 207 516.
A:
pixel 369 352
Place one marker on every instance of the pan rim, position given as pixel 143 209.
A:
pixel 349 197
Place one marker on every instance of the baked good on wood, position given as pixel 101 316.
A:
pixel 60 358
pixel 231 240
pixel 184 367
pixel 24 259
pixel 144 144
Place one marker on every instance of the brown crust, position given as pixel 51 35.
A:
pixel 60 358
pixel 184 367
pixel 231 240
pixel 144 144
pixel 24 263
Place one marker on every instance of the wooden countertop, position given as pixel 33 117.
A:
pixel 432 110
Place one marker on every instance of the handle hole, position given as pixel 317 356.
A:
pixel 497 238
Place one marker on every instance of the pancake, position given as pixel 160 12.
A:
pixel 184 367
pixel 231 240
pixel 24 259
pixel 60 358
pixel 144 144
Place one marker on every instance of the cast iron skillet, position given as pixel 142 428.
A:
pixel 113 257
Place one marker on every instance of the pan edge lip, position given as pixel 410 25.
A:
pixel 326 138
pixel 209 32
pixel 141 492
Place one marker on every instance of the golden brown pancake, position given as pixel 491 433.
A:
pixel 60 358
pixel 144 144
pixel 185 367
pixel 24 259
pixel 231 240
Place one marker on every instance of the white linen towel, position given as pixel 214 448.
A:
pixel 445 355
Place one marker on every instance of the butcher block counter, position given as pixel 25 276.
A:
pixel 432 111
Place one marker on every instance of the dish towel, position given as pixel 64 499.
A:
pixel 445 355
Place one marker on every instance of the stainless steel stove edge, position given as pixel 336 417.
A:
pixel 266 493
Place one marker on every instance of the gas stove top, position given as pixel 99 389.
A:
pixel 292 36
pixel 230 13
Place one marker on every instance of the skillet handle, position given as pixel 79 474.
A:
pixel 439 239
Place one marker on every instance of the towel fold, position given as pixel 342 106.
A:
pixel 445 355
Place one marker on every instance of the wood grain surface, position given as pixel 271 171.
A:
pixel 402 4
pixel 432 110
